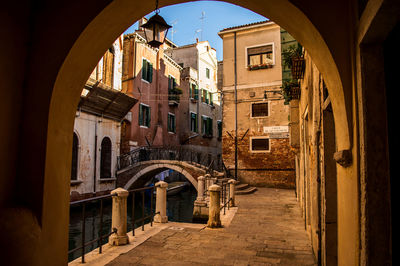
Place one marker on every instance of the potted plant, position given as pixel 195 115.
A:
pixel 293 59
pixel 290 90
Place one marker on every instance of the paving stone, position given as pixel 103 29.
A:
pixel 266 230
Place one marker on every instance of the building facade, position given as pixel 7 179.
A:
pixel 255 129
pixel 153 78
pixel 313 138
pixel 201 117
pixel 97 127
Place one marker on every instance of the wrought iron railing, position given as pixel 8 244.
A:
pixel 145 217
pixel 99 239
pixel 212 162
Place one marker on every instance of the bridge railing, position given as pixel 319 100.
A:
pixel 178 153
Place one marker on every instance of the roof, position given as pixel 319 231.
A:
pixel 246 25
pixel 102 100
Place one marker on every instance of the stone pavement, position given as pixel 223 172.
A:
pixel 267 229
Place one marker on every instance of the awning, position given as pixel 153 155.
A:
pixel 102 100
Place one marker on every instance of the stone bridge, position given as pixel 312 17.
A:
pixel 138 174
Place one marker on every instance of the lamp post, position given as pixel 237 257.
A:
pixel 156 29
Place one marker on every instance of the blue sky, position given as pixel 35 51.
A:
pixel 187 25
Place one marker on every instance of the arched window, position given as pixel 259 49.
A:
pixel 74 165
pixel 105 158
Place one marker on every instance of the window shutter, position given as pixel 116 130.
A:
pixel 140 115
pixel 144 69
pixel 148 116
pixel 150 77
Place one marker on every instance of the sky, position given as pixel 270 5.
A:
pixel 188 25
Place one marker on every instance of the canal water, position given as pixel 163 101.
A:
pixel 179 209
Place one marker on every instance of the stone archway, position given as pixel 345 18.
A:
pixel 45 132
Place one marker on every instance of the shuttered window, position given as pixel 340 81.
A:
pixel 207 126
pixel 171 123
pixel 259 109
pixel 260 144
pixel 193 122
pixel 144 115
pixel 147 70
pixel 108 67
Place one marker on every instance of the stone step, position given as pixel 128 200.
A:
pixel 246 191
pixel 241 186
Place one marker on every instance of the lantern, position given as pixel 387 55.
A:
pixel 155 30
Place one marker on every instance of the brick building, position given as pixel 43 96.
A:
pixel 264 156
pixel 153 78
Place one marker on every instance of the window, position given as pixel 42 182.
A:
pixel 194 92
pixel 173 91
pixel 105 158
pixel 207 73
pixel 147 70
pixel 260 56
pixel 219 125
pixel 259 109
pixel 171 123
pixel 74 166
pixel 206 126
pixel 204 96
pixel 193 122
pixel 210 96
pixel 144 115
pixel 258 144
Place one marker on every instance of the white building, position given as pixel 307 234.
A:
pixel 97 129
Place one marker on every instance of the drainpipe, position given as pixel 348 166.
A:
pixel 236 123
pixel 95 156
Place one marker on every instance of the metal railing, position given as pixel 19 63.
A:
pixel 225 195
pixel 101 237
pixel 144 218
pixel 179 153
pixel 133 219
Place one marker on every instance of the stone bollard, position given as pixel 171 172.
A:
pixel 208 180
pixel 119 217
pixel 232 183
pixel 200 188
pixel 214 219
pixel 161 202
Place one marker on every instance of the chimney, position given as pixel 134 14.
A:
pixel 142 21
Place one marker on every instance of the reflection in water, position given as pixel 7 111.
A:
pixel 179 209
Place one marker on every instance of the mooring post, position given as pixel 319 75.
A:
pixel 200 188
pixel 232 183
pixel 161 202
pixel 214 220
pixel 119 217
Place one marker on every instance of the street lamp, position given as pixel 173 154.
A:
pixel 155 29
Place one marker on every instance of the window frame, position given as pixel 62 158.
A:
pixel 260 45
pixel 251 109
pixel 149 69
pixel 196 123
pixel 147 123
pixel 173 130
pixel 260 151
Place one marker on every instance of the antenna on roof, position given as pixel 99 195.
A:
pixel 203 16
pixel 172 30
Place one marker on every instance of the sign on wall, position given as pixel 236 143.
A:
pixel 276 129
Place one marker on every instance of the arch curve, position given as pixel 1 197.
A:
pixel 160 166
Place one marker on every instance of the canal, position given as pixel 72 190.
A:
pixel 179 209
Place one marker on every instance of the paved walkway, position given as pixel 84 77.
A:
pixel 266 230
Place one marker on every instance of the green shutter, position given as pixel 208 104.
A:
pixel 150 77
pixel 144 69
pixel 196 92
pixel 140 115
pixel 148 117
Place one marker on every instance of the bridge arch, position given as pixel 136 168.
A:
pixel 154 168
